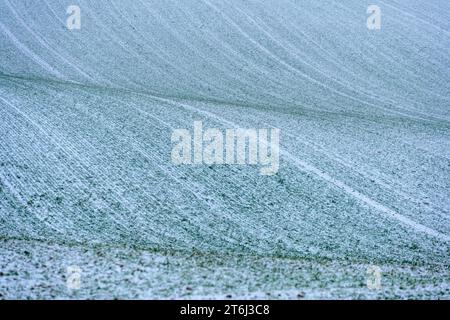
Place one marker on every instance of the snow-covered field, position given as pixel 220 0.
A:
pixel 87 180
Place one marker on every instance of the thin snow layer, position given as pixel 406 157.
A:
pixel 86 176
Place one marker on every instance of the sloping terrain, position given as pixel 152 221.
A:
pixel 86 177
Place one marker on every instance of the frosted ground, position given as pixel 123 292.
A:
pixel 85 172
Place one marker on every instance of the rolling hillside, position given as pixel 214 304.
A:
pixel 86 178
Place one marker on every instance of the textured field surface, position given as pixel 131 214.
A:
pixel 86 177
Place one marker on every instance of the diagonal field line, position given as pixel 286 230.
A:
pixel 306 167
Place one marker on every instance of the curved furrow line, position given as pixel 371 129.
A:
pixel 306 76
pixel 258 71
pixel 139 150
pixel 88 70
pixel 71 154
pixel 33 56
pixel 86 170
pixel 44 43
pixel 386 71
pixel 240 223
pixel 391 56
pixel 288 130
pixel 16 186
pixel 185 44
pixel 156 51
pixel 356 194
pixel 447 32
pixel 293 52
